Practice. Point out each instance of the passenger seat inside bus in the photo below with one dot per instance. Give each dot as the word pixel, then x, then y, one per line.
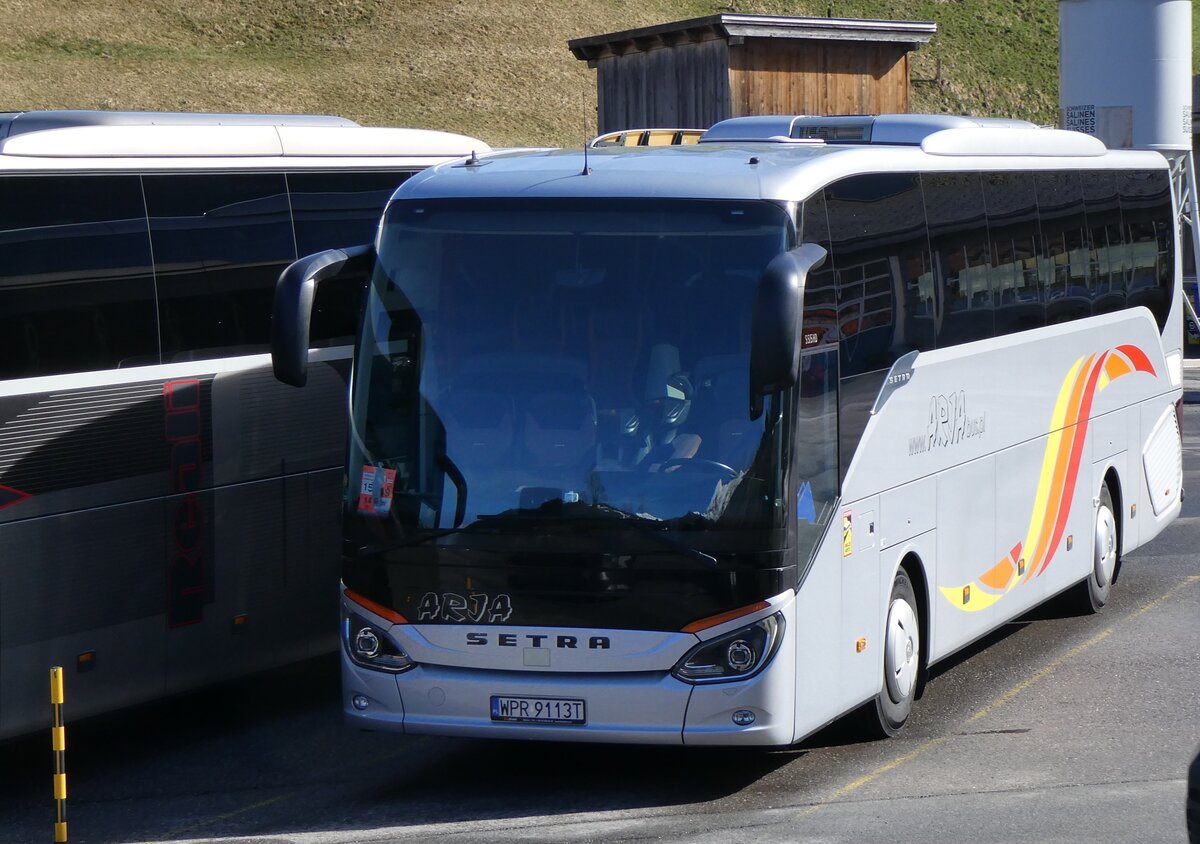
pixel 538 400
pixel 560 427
pixel 479 425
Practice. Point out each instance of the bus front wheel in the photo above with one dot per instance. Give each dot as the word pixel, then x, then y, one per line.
pixel 888 712
pixel 1092 594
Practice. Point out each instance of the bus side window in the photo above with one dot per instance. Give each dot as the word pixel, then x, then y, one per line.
pixel 1102 207
pixel 1065 256
pixel 884 293
pixel 820 295
pixel 1146 213
pixel 958 237
pixel 1012 213
pixel 76 291
pixel 815 455
pixel 220 243
pixel 332 211
pixel 881 246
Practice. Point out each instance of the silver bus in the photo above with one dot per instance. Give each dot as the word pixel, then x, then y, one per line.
pixel 169 512
pixel 715 444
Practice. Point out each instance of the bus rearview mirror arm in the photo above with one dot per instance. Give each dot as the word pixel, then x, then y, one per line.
pixel 291 312
pixel 775 330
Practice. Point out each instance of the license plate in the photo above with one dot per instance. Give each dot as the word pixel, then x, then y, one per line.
pixel 538 710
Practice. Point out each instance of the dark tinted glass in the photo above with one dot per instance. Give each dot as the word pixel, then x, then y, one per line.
pixel 1012 214
pixel 220 242
pixel 1108 259
pixel 330 211
pixel 962 255
pixel 884 287
pixel 76 292
pixel 1064 265
pixel 820 296
pixel 815 458
pixel 1146 212
pixel 526 322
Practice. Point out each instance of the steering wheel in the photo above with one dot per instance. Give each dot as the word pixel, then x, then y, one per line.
pixel 698 464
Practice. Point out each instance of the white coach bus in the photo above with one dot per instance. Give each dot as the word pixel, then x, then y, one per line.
pixel 714 444
pixel 168 511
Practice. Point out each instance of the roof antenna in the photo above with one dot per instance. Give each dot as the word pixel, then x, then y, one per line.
pixel 473 161
pixel 587 171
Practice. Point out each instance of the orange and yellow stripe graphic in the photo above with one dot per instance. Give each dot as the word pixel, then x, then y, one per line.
pixel 1056 486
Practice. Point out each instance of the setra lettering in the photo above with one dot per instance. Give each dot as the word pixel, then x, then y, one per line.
pixel 537 640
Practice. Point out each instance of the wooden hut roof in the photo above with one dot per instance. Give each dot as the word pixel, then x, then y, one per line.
pixel 731 26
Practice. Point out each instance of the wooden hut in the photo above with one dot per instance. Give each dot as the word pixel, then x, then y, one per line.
pixel 693 73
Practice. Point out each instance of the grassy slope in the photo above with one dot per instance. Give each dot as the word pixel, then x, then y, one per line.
pixel 499 70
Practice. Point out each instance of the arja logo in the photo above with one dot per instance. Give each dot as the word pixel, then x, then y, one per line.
pixel 947 419
pixel 476 607
pixel 948 424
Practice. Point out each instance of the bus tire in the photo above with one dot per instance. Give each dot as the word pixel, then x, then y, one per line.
pixel 888 712
pixel 1092 593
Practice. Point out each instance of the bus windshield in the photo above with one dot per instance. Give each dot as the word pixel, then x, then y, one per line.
pixel 560 360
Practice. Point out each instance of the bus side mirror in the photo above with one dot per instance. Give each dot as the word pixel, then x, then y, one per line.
pixel 775 330
pixel 292 310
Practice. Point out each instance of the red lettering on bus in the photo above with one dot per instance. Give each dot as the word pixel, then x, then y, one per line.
pixel 183 426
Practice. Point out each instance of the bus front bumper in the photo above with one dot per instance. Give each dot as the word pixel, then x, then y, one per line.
pixel 620 708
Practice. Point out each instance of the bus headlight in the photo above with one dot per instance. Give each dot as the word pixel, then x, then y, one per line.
pixel 371 648
pixel 734 656
pixel 366 644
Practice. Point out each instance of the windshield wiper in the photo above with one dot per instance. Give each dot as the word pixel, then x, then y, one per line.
pixel 560 514
pixel 384 547
pixel 580 512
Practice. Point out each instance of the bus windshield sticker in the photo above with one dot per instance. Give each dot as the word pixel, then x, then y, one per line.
pixel 375 491
pixel 899 375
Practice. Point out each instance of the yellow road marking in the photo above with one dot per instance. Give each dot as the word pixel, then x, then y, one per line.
pixel 933 743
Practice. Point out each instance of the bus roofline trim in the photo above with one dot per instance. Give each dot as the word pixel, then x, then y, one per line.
pixel 215 141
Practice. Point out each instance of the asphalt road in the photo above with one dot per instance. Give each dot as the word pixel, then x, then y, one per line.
pixel 1057 728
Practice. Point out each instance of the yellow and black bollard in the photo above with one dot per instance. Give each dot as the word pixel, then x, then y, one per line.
pixel 58 739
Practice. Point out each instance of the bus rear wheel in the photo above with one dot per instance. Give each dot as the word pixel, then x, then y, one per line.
pixel 1092 594
pixel 888 712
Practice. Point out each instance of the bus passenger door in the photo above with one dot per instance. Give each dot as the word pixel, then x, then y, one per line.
pixel 836 594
